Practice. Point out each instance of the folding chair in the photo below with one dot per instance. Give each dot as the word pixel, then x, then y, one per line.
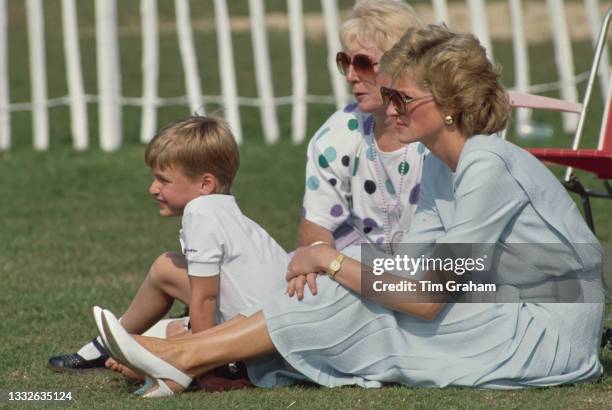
pixel 596 161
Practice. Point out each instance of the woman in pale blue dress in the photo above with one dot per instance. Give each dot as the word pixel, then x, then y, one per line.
pixel 477 189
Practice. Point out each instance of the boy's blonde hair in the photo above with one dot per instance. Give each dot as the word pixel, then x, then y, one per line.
pixel 197 145
pixel 378 22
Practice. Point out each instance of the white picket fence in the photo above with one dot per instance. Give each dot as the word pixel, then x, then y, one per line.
pixel 110 99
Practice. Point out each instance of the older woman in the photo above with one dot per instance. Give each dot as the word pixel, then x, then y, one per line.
pixel 477 189
pixel 360 180
pixel 358 173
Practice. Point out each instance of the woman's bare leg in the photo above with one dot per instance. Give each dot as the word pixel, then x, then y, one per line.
pixel 175 329
pixel 166 281
pixel 239 339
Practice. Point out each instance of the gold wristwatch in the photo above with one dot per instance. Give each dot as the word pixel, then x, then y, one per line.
pixel 335 265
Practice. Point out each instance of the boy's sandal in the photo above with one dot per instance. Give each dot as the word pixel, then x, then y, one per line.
pixel 76 363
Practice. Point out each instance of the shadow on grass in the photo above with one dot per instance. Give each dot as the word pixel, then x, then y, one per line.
pixel 606 360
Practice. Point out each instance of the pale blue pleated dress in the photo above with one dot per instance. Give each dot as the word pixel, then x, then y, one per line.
pixel 499 193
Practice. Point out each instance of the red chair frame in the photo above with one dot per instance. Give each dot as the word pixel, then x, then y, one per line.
pixel 596 161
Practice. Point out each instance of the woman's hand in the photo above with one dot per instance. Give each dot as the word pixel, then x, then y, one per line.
pixel 310 259
pixel 306 264
pixel 296 285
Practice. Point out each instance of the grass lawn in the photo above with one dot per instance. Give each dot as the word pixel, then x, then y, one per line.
pixel 78 229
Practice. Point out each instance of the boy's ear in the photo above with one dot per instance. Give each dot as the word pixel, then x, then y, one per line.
pixel 208 184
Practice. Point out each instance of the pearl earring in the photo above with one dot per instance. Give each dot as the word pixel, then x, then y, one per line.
pixel 448 120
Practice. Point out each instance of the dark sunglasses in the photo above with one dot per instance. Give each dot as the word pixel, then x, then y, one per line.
pixel 362 64
pixel 399 101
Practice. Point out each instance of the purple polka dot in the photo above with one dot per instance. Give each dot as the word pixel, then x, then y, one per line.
pixel 380 240
pixel 368 125
pixel 370 223
pixel 414 194
pixel 336 211
pixel 351 107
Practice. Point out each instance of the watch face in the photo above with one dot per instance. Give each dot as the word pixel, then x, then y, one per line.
pixel 334 266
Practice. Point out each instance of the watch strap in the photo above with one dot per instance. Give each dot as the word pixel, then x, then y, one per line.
pixel 334 269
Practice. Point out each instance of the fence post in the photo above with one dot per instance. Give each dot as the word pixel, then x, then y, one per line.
pixel 188 56
pixel 478 22
pixel 74 77
pixel 150 69
pixel 299 74
pixel 330 13
pixel 109 75
pixel 440 11
pixel 521 59
pixel 262 71
pixel 38 73
pixel 564 59
pixel 226 67
pixel 5 112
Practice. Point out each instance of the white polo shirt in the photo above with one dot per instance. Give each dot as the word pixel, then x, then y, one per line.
pixel 217 239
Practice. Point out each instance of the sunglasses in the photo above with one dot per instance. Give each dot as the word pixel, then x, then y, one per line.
pixel 399 101
pixel 362 64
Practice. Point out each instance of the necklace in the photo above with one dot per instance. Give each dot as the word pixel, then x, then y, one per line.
pixel 396 205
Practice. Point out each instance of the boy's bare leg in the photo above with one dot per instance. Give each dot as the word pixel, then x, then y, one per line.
pixel 166 281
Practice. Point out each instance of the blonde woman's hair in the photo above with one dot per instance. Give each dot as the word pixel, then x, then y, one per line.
pixel 197 145
pixel 455 69
pixel 378 22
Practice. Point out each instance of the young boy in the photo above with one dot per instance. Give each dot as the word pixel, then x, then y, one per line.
pixel 229 262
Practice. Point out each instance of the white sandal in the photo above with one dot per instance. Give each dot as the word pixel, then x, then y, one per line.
pixel 142 390
pixel 128 351
pixel 97 313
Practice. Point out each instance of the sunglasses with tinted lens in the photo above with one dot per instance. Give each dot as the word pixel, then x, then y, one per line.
pixel 362 64
pixel 399 101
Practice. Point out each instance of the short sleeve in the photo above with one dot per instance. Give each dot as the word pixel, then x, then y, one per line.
pixel 487 197
pixel 327 193
pixel 202 245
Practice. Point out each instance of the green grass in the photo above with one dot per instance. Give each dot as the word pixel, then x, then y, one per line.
pixel 78 229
